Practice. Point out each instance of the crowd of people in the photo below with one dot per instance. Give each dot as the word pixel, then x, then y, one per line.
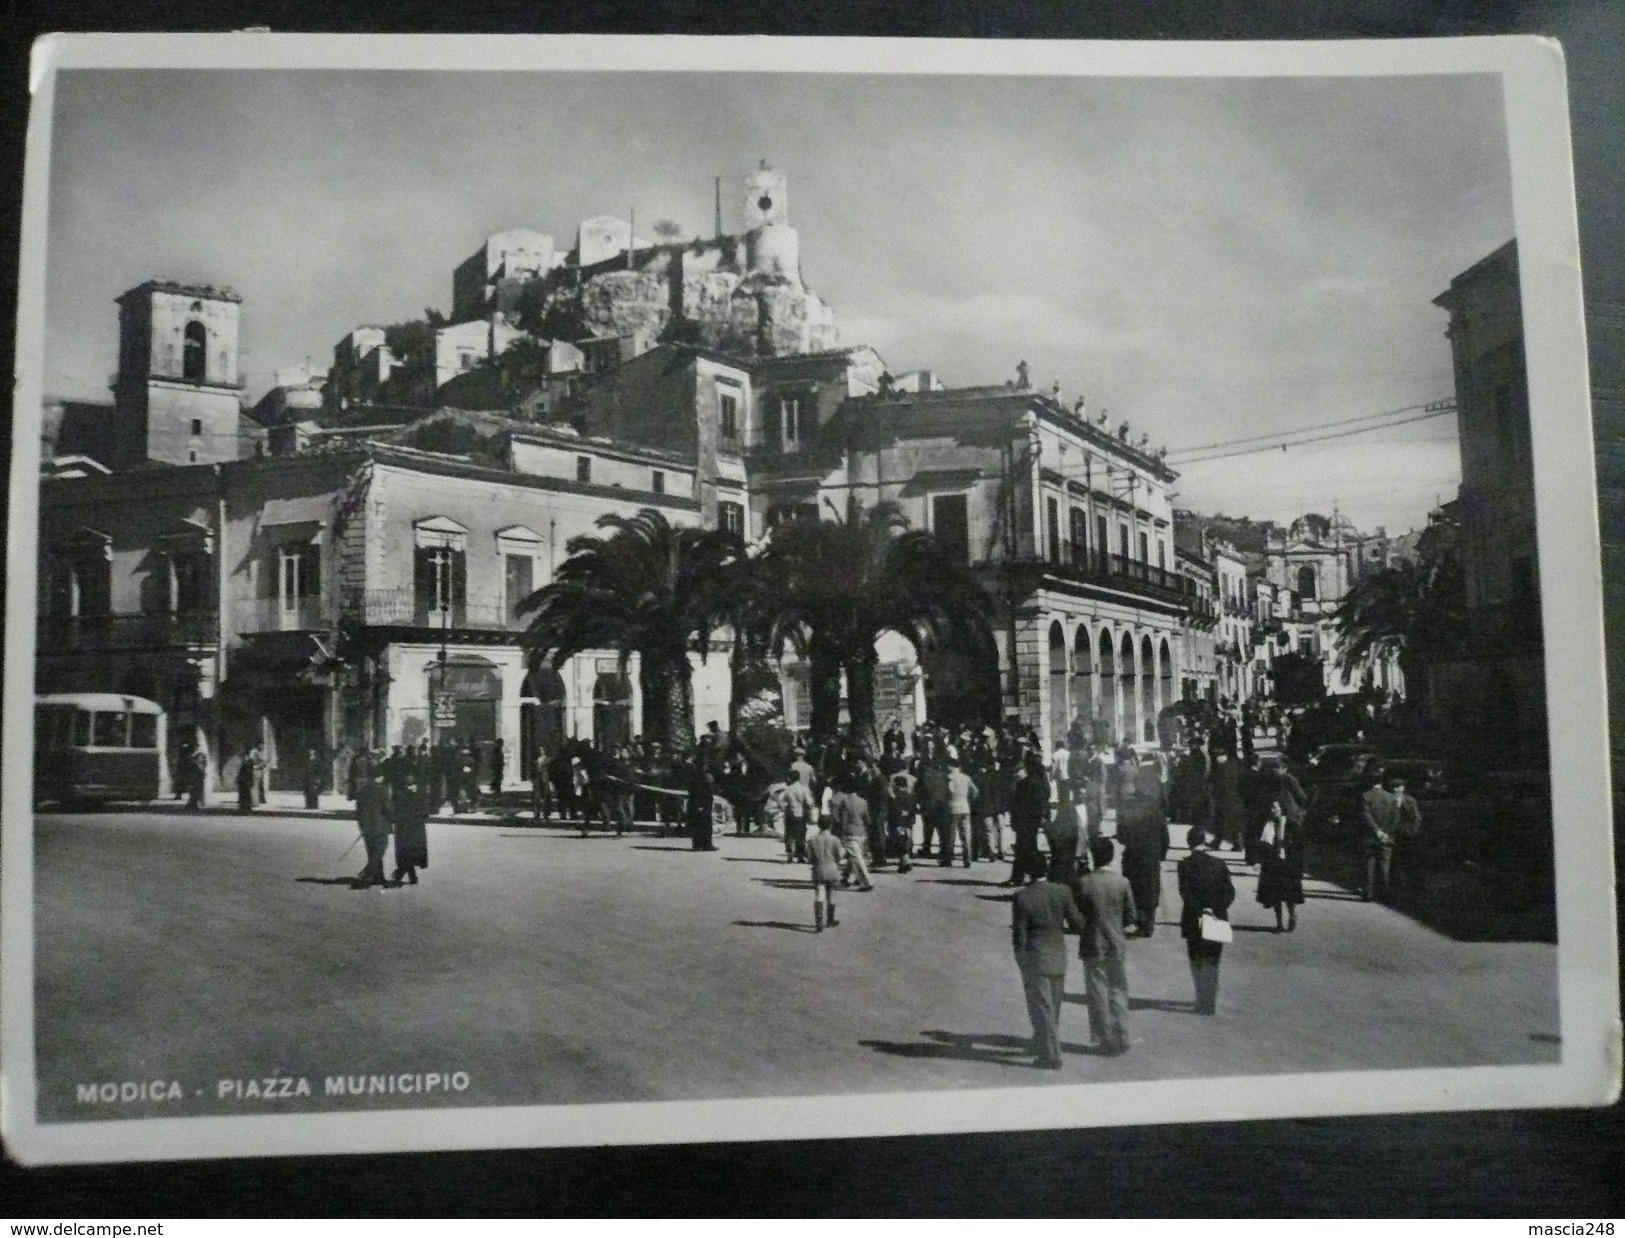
pixel 1084 826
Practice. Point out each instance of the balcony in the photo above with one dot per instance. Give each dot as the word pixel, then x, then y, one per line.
pixel 1075 561
pixel 160 630
pixel 280 615
pixel 405 608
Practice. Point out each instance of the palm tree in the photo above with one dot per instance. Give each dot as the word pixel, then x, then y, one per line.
pixel 648 588
pixel 1413 612
pixel 835 587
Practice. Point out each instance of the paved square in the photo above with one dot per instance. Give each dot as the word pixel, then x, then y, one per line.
pixel 555 969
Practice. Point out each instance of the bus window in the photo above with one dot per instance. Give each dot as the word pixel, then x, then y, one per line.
pixel 110 730
pixel 143 730
pixel 81 729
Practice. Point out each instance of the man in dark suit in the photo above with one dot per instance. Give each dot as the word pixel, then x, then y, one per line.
pixel 1040 914
pixel 1204 885
pixel 1107 902
pixel 1379 824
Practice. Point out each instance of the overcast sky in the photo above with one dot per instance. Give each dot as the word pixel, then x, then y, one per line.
pixel 1208 259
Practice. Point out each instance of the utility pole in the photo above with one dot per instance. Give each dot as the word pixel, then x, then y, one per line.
pixel 719 208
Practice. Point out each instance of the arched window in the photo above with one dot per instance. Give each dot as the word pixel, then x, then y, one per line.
pixel 194 360
pixel 1306 583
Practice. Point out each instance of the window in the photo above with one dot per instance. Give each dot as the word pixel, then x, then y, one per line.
pixel 1103 543
pixel 584 468
pixel 729 406
pixel 1122 540
pixel 1079 520
pixel 194 360
pixel 191 456
pixel 790 513
pixel 197 426
pixel 1145 549
pixel 731 517
pixel 439 585
pixel 109 730
pixel 657 482
pixel 519 575
pixel 1306 583
pixel 1162 554
pixel 143 730
pixel 950 523
pixel 1052 527
pixel 465 360
pixel 790 422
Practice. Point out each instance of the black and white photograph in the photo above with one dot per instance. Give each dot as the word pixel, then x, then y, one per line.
pixel 620 591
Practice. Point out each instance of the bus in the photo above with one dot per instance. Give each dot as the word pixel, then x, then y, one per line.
pixel 97 746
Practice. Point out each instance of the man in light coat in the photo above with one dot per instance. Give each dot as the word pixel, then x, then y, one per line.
pixel 1040 914
pixel 1107 902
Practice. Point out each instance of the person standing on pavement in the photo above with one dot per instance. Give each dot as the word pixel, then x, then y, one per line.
pixel 1107 902
pixel 1204 886
pixel 961 791
pixel 827 855
pixel 800 811
pixel 1142 828
pixel 1406 868
pixel 197 773
pixel 1040 914
pixel 1280 872
pixel 934 818
pixel 1379 818
pixel 900 821
pixel 701 808
pixel 849 815
pixel 541 787
pixel 410 811
pixel 498 760
pixel 314 777
pixel 1029 814
pixel 372 819
pixel 1229 811
pixel 246 780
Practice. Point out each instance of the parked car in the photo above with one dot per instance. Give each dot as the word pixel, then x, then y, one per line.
pixel 1333 814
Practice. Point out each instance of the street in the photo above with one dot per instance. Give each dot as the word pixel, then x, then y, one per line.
pixel 548 968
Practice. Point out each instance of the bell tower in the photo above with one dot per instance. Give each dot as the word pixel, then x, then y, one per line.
pixel 767 198
pixel 177 394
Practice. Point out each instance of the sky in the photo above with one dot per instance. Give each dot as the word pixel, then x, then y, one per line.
pixel 1208 259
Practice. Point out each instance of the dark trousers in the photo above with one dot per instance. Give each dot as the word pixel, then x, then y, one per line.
pixel 700 831
pixel 934 828
pixel 1379 863
pixel 376 845
pixel 795 836
pixel 1028 859
pixel 245 797
pixel 1044 996
pixel 1204 959
pixel 311 797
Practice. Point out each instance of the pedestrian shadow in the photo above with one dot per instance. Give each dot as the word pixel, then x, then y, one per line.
pixel 1251 928
pixel 778 924
pixel 648 847
pixel 1335 896
pixel 957 881
pixel 349 883
pixel 996 898
pixel 752 859
pixel 997 1048
pixel 1160 1003
pixel 784 883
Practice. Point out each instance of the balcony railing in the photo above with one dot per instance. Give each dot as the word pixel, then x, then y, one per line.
pixel 160 630
pixel 280 615
pixel 1078 560
pixel 406 608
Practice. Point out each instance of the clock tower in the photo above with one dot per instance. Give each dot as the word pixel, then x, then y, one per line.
pixel 177 393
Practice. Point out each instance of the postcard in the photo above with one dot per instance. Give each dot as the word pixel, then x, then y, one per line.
pixel 649 590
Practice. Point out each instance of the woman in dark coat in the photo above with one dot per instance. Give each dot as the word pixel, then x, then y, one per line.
pixel 1142 828
pixel 410 810
pixel 1229 809
pixel 702 792
pixel 1280 874
pixel 1029 814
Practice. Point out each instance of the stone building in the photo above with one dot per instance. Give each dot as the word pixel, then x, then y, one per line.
pixel 1068 524
pixel 1496 693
